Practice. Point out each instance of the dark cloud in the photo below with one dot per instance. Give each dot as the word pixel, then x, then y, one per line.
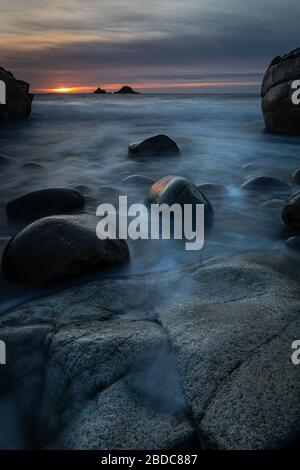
pixel 164 39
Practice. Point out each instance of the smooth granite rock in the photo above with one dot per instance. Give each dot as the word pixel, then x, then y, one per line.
pixel 266 183
pixel 124 363
pixel 296 177
pixel 45 202
pixel 291 212
pixel 158 145
pixel 178 190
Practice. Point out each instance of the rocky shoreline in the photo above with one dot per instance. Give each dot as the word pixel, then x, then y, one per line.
pixel 195 357
pixel 120 364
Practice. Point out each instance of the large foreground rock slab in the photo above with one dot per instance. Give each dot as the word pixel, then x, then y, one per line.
pixel 18 98
pixel 199 357
pixel 280 114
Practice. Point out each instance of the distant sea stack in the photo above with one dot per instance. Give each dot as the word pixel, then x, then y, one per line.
pixel 281 115
pixel 127 90
pixel 100 91
pixel 18 98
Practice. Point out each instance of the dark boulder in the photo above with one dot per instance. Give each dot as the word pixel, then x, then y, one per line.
pixel 82 188
pixel 291 212
pixel 6 161
pixel 33 167
pixel 273 204
pixel 126 90
pixel 45 202
pixel 100 91
pixel 58 248
pixel 158 145
pixel 18 98
pixel 176 189
pixel 296 177
pixel 212 189
pixel 138 180
pixel 265 183
pixel 280 114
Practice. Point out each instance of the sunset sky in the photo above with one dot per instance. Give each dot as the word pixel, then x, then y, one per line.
pixel 157 45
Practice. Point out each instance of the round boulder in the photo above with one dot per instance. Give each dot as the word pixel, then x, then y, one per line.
pixel 294 243
pixel 59 248
pixel 296 177
pixel 159 145
pixel 212 189
pixel 33 166
pixel 141 180
pixel 265 183
pixel 281 115
pixel 291 212
pixel 178 190
pixel 42 203
pixel 18 99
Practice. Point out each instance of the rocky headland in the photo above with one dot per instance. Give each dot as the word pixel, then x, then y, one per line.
pixel 18 98
pixel 124 90
pixel 281 115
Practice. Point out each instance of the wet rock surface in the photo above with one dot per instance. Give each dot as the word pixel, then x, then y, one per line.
pixel 266 183
pixel 6 161
pixel 140 180
pixel 273 204
pixel 178 190
pixel 296 177
pixel 45 202
pixel 210 368
pixel 158 145
pixel 294 243
pixel 60 247
pixel 281 115
pixel 291 212
pixel 212 189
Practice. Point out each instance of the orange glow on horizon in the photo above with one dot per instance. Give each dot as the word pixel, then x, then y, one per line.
pixel 61 90
pixel 111 87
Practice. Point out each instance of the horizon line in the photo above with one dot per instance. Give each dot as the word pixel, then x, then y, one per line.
pixel 112 87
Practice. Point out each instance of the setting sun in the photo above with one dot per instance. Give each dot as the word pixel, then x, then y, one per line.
pixel 62 90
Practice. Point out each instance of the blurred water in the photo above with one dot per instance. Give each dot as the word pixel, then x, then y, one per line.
pixel 83 139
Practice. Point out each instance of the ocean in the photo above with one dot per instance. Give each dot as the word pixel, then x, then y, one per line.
pixel 81 141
